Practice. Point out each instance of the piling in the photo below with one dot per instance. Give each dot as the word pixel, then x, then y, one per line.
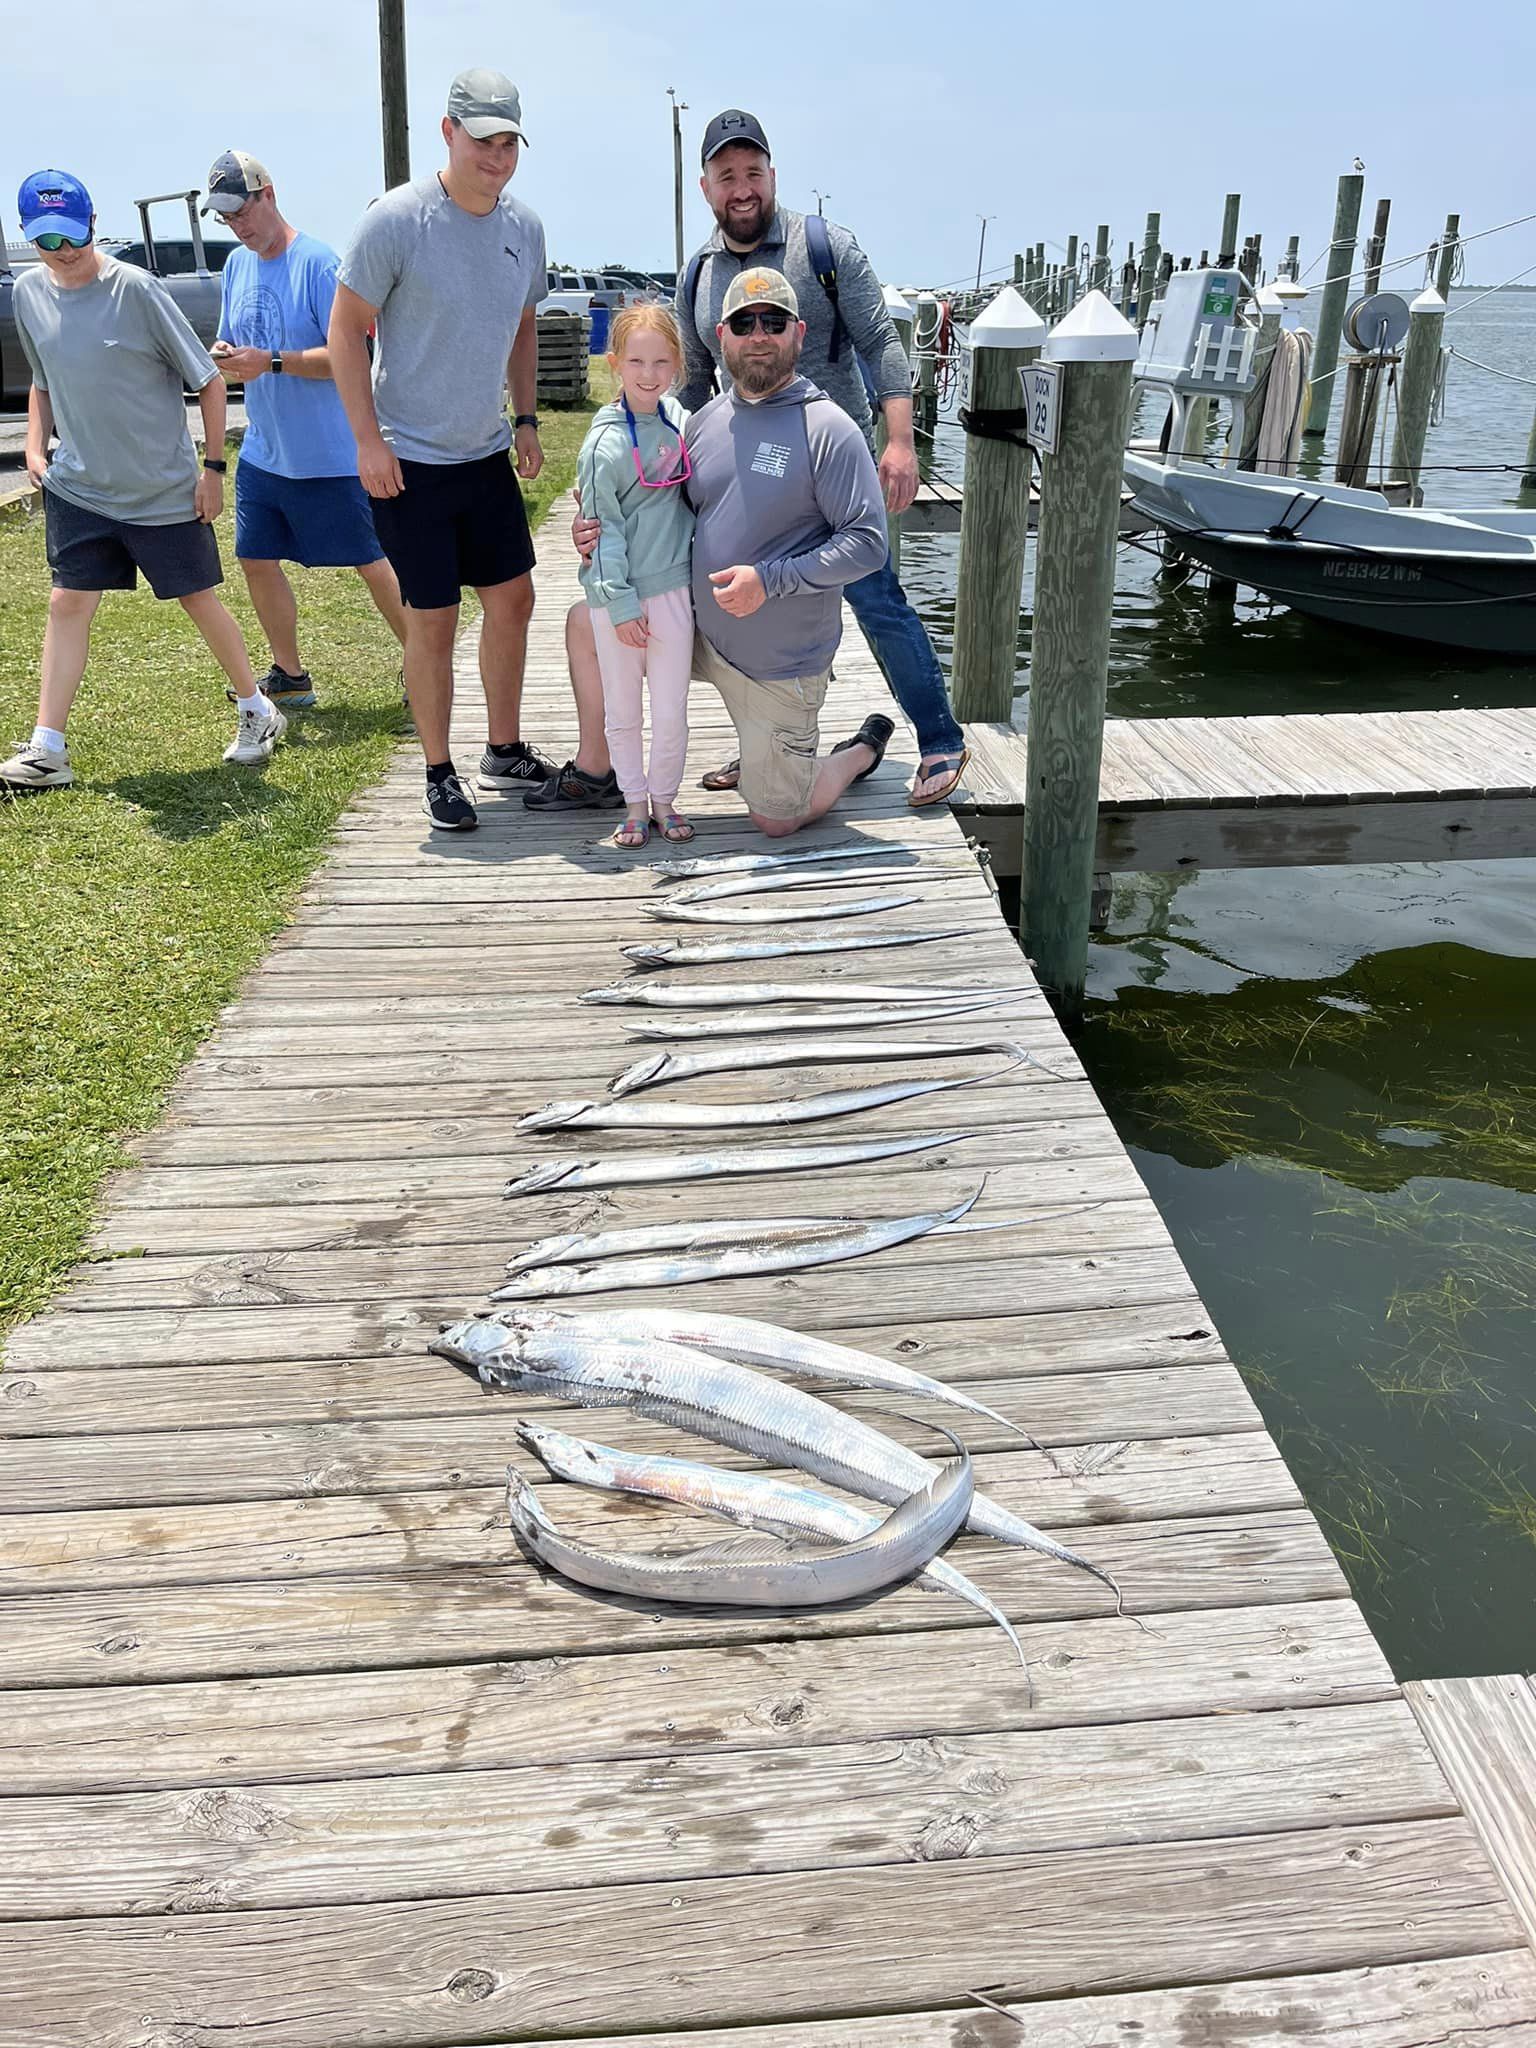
pixel 926 398
pixel 1330 316
pixel 1445 265
pixel 1074 599
pixel 1415 393
pixel 1226 255
pixel 1292 262
pixel 1146 274
pixel 902 318
pixel 397 138
pixel 994 518
pixel 1528 481
pixel 1069 273
pixel 1099 280
pixel 1271 307
pixel 1018 270
pixel 1376 248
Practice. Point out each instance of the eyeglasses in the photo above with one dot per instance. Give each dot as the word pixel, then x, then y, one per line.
pixel 679 476
pixel 771 319
pixel 53 243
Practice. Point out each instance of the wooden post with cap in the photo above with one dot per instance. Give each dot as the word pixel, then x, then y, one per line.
pixel 1330 312
pixel 1074 601
pixel 1416 391
pixel 994 516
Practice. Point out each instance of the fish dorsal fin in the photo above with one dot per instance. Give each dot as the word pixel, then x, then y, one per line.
pixel 756 1548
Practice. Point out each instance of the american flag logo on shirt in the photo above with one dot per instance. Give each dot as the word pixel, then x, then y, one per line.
pixel 771 459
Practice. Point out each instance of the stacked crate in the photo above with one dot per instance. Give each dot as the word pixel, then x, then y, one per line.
pixel 563 341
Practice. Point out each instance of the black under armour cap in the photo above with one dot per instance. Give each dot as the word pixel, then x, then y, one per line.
pixel 733 126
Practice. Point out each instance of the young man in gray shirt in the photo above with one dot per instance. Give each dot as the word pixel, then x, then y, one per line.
pixel 110 353
pixel 451 268
pixel 789 514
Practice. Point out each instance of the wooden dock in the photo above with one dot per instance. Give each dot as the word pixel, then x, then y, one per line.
pixel 1308 790
pixel 300 1752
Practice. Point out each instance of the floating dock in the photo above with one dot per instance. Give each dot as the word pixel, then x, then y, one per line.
pixel 301 1752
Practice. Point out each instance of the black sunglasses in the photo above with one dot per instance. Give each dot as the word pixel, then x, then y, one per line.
pixel 772 320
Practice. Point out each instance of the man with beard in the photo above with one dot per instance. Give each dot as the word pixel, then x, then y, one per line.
pixel 789 509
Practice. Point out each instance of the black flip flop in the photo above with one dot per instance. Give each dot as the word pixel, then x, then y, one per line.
pixel 874 732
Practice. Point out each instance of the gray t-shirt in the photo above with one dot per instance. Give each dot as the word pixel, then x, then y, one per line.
pixel 450 287
pixel 115 357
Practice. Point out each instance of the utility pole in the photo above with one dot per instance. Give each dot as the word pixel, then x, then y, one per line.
pixel 981 245
pixel 821 199
pixel 397 139
pixel 679 107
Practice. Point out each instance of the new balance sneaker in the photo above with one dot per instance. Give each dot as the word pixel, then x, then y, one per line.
pixel 513 767
pixel 256 735
pixel 448 806
pixel 34 768
pixel 572 789
pixel 288 693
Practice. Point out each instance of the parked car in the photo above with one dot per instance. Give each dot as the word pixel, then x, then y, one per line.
pixel 578 291
pixel 189 267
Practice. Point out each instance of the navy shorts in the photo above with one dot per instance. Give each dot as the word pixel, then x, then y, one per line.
pixel 89 551
pixel 455 523
pixel 321 522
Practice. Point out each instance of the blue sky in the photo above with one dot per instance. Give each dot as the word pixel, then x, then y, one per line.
pixel 914 118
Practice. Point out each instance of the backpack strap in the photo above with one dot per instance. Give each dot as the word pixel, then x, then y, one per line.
pixel 818 246
pixel 691 301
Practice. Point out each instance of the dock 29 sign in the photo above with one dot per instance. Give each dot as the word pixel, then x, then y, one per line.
pixel 1042 404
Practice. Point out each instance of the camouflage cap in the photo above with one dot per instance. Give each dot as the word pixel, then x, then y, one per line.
pixel 760 287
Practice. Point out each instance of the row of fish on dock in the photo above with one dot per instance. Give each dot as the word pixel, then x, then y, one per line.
pixel 709 1374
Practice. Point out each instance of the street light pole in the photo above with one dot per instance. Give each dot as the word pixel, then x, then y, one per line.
pixel 821 198
pixel 679 107
pixel 981 245
pixel 397 145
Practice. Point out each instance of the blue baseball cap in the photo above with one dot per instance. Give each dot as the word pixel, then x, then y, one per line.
pixel 54 203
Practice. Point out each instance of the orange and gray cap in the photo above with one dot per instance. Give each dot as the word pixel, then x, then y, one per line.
pixel 486 103
pixel 233 178
pixel 760 287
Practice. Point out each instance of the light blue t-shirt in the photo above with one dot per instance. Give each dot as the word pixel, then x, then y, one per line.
pixel 295 426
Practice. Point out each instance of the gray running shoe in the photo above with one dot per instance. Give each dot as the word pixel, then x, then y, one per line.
pixel 514 767
pixel 572 789
pixel 258 733
pixel 33 768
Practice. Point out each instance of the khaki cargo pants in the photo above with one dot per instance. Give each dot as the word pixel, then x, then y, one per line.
pixel 776 731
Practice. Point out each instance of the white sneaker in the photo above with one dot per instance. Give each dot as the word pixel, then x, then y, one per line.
pixel 256 737
pixel 37 768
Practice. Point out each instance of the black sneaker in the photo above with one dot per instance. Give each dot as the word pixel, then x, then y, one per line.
pixel 572 789
pixel 448 807
pixel 515 767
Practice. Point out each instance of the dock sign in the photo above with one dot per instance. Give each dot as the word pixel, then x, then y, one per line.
pixel 1042 404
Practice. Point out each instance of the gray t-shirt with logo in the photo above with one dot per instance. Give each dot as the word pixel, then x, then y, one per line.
pixel 115 357
pixel 451 287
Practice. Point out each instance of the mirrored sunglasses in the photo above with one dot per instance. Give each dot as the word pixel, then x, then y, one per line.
pixel 772 320
pixel 53 243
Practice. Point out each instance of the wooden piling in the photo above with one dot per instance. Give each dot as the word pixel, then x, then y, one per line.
pixel 1226 255
pixel 1292 262
pixel 392 93
pixel 1099 280
pixel 1445 263
pixel 1528 481
pixel 1330 316
pixel 1376 248
pixel 1146 272
pixel 1416 390
pixel 994 518
pixel 1074 600
pixel 1018 270
pixel 926 397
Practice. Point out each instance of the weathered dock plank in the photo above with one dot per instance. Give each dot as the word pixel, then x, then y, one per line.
pixel 1483 1730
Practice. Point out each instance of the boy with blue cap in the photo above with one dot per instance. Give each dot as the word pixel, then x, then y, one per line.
pixel 110 354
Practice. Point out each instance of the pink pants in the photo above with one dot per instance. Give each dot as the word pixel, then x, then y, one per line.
pixel 664 664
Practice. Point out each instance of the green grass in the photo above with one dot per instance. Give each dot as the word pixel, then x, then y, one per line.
pixel 134 903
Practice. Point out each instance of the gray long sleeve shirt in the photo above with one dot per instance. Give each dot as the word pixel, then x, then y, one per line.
pixel 869 327
pixel 786 485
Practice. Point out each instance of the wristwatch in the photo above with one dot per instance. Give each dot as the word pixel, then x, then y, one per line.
pixel 218 467
pixel 277 363
pixel 527 419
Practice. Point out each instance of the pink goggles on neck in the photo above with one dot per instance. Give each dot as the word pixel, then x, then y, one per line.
pixel 666 483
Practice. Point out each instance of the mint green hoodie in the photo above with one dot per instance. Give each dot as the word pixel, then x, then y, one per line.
pixel 647 535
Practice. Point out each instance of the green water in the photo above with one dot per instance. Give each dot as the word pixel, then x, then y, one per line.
pixel 1327 1079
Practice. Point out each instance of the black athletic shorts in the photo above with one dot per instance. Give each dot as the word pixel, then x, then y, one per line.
pixel 89 551
pixel 455 523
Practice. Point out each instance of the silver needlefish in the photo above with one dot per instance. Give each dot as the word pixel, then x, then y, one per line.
pixel 749 1254
pixel 726 1403
pixel 807 878
pixel 673 912
pixel 753 1500
pixel 743 1023
pixel 658 1069
pixel 663 995
pixel 752 863
pixel 747 1342
pixel 757 1570
pixel 721 1116
pixel 710 952
pixel 635 1169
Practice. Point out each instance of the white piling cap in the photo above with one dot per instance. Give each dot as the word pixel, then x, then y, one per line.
pixel 1287 290
pixel 898 306
pixel 1270 299
pixel 1093 332
pixel 1009 322
pixel 1428 301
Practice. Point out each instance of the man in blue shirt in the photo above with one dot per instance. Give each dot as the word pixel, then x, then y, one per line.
pixel 297 494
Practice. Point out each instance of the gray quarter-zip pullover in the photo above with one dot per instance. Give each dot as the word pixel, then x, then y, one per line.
pixel 788 486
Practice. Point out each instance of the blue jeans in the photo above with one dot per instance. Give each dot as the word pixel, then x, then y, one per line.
pixel 901 645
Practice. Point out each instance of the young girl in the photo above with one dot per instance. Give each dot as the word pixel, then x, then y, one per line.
pixel 630 474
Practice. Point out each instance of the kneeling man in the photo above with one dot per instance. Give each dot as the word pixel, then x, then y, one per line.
pixel 789 511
